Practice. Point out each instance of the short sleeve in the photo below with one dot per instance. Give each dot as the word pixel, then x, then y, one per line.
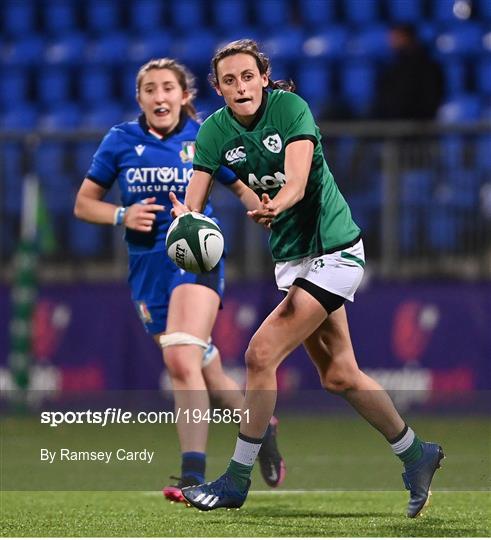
pixel 103 170
pixel 296 119
pixel 207 154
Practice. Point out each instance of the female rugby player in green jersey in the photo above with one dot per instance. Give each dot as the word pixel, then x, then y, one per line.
pixel 177 308
pixel 268 137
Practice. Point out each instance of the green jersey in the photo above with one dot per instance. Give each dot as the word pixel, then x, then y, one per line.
pixel 317 224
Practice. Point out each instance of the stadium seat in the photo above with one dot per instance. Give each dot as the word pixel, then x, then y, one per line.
pixel 463 186
pixel 85 239
pixel 18 18
pixel 484 10
pixel 24 51
pixel 483 76
pixel 95 84
pixel 82 157
pixel 12 169
pixel 146 16
pixel 272 13
pixel 103 16
pixel 328 44
pixel 371 42
pixel 462 40
pixel 454 71
pixel 483 154
pixel 19 116
pixel 283 45
pixel 465 107
pixel 156 44
pixel 102 116
pixel 60 116
pixel 229 13
pixel 416 187
pixel 187 15
pixel 318 13
pixel 59 17
pixel 358 85
pixel 53 84
pixel 111 48
pixel 67 49
pixel 194 49
pixel 14 86
pixel 404 11
pixel 313 80
pixel 442 11
pixel 360 12
pixel 443 227
pixel 452 151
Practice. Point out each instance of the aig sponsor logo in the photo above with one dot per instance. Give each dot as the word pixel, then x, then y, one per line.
pixel 235 155
pixel 162 175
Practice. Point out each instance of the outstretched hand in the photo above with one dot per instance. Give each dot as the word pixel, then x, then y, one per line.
pixel 141 216
pixel 266 212
pixel 178 208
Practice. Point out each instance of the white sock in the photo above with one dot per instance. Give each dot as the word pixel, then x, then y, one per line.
pixel 246 452
pixel 404 443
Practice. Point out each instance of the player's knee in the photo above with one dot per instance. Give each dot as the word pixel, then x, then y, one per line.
pixel 179 363
pixel 259 356
pixel 339 380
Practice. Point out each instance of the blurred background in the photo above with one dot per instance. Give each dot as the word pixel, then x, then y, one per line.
pixel 401 90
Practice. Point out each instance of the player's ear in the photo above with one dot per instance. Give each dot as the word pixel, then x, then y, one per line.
pixel 217 90
pixel 185 97
pixel 264 80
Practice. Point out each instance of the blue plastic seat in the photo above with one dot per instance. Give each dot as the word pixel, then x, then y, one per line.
pixel 60 116
pixel 318 13
pixel 14 86
pixel 83 154
pixel 443 227
pixel 313 79
pixel 19 116
pixel 59 17
pixel 416 187
pixel 371 42
pixel 53 84
pixel 146 15
pixel 18 18
pixel 103 16
pixel 103 116
pixel 329 43
pixel 483 76
pixel 127 82
pixel 142 47
pixel 361 12
pixel 68 49
pixel 466 107
pixel 195 49
pixel 284 45
pixel 95 84
pixel 85 239
pixel 108 49
pixel 454 71
pixel 358 85
pixel 272 13
pixel 461 40
pixel 187 15
pixel 452 151
pixel 24 51
pixel 404 11
pixel 12 170
pixel 228 13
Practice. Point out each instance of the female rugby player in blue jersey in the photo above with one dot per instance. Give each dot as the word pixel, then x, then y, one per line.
pixel 319 259
pixel 150 158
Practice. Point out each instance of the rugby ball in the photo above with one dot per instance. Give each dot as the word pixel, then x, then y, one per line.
pixel 194 242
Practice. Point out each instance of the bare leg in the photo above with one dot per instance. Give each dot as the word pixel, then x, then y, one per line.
pixel 221 387
pixel 331 350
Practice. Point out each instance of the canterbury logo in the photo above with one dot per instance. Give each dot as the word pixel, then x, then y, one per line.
pixel 236 154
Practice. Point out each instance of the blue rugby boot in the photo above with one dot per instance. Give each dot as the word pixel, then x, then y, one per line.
pixel 222 493
pixel 418 476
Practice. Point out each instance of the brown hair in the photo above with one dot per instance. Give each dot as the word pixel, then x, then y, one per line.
pixel 184 77
pixel 247 46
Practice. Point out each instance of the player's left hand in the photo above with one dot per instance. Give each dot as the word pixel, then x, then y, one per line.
pixel 267 211
pixel 177 207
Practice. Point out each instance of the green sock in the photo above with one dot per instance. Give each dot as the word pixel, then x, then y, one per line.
pixel 240 473
pixel 413 453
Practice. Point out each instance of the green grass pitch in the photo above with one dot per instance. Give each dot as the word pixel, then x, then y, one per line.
pixel 342 481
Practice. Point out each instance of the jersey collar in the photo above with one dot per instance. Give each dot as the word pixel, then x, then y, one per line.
pixel 142 121
pixel 257 117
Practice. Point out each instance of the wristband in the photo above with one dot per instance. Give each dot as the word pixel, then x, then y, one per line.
pixel 119 214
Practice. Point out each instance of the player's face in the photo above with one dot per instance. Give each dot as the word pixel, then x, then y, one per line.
pixel 161 98
pixel 241 85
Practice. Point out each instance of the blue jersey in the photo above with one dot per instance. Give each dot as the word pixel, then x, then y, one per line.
pixel 146 165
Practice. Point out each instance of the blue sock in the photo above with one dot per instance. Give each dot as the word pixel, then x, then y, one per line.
pixel 193 465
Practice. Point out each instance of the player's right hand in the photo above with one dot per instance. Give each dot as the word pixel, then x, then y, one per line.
pixel 177 207
pixel 141 216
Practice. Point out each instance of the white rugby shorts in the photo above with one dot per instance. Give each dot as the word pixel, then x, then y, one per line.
pixel 339 272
